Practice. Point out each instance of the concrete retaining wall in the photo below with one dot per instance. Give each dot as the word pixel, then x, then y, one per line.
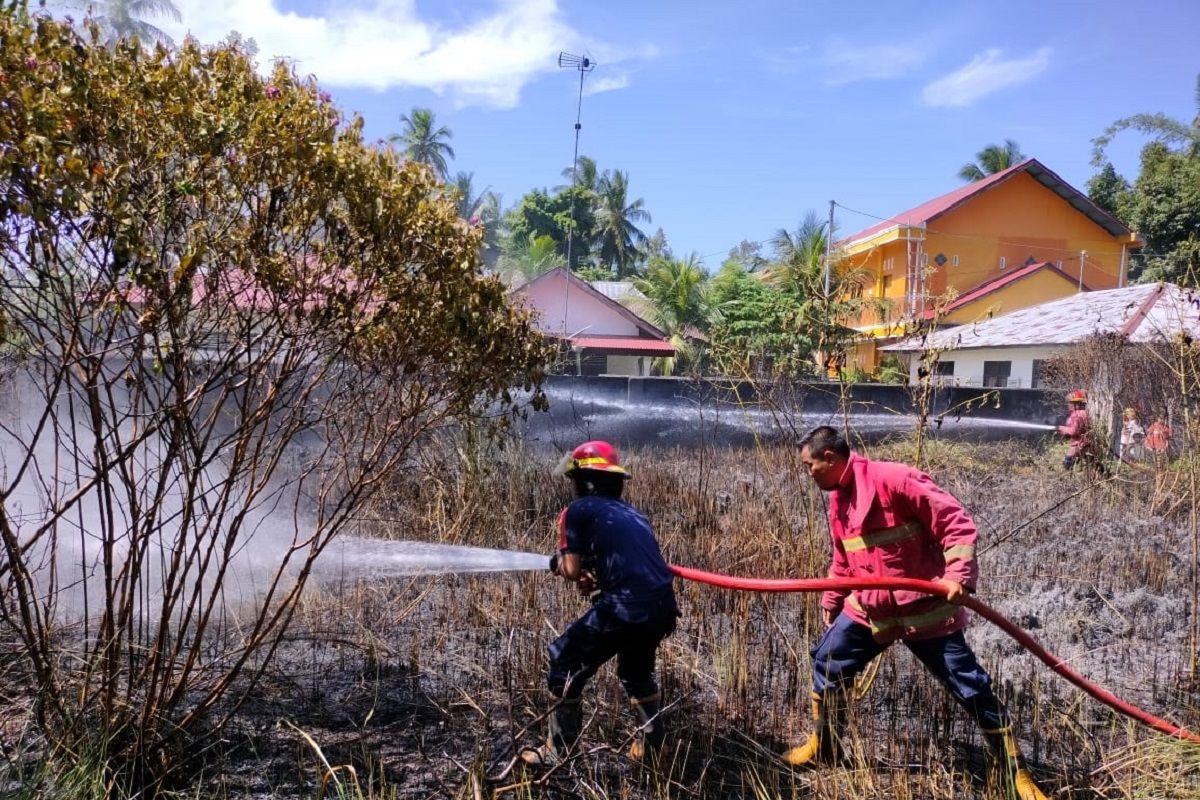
pixel 1018 405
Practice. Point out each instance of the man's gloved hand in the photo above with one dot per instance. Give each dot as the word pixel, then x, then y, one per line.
pixel 554 563
pixel 587 584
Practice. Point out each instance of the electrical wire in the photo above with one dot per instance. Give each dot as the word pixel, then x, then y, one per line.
pixel 993 616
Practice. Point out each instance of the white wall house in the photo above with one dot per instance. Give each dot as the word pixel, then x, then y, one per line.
pixel 1009 350
pixel 603 336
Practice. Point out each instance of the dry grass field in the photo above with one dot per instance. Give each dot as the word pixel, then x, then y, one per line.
pixel 425 686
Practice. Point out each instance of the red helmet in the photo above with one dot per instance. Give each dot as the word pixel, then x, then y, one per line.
pixel 1077 396
pixel 597 455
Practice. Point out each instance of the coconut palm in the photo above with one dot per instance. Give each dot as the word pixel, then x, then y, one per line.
pixel 523 261
pixel 469 204
pixel 677 301
pixel 585 175
pixel 423 141
pixel 616 218
pixel 992 159
pixel 799 256
pixel 123 19
pixel 1165 129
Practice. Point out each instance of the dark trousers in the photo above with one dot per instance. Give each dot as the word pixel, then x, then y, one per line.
pixel 847 647
pixel 596 637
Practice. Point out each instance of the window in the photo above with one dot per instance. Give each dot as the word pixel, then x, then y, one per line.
pixel 888 263
pixel 856 291
pixel 954 261
pixel 1003 262
pixel 1039 375
pixel 1058 263
pixel 995 373
pixel 945 368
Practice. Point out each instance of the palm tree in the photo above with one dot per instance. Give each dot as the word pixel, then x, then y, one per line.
pixel 586 175
pixel 616 216
pixel 677 301
pixel 1163 128
pixel 423 141
pixel 992 159
pixel 799 256
pixel 520 262
pixel 469 204
pixel 123 19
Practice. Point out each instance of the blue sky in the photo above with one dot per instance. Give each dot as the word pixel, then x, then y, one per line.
pixel 734 119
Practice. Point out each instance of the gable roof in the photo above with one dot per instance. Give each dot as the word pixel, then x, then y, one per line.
pixel 1155 312
pixel 574 281
pixel 1000 282
pixel 932 209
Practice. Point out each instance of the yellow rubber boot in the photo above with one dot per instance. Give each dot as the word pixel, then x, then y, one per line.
pixel 1016 777
pixel 822 745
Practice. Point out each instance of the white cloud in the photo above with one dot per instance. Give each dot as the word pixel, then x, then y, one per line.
pixel 382 44
pixel 986 73
pixel 608 83
pixel 849 62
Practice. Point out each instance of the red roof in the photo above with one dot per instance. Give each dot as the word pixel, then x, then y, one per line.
pixel 629 345
pixel 995 284
pixel 922 214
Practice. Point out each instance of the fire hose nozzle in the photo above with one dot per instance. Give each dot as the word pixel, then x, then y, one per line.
pixel 554 563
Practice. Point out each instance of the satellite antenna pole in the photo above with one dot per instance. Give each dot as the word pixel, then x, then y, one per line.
pixel 583 65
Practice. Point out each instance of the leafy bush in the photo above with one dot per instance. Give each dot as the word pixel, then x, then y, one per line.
pixel 227 321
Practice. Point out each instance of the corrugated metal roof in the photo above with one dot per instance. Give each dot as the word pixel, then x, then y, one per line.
pixel 1145 313
pixel 631 344
pixel 617 290
pixel 922 214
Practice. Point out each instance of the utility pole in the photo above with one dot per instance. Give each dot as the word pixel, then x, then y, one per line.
pixel 829 250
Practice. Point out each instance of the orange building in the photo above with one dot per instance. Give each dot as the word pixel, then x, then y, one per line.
pixel 1017 238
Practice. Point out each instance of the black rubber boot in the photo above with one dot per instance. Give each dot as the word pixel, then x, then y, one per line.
pixel 565 725
pixel 651 732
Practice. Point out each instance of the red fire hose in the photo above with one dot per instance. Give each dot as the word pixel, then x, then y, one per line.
pixel 928 587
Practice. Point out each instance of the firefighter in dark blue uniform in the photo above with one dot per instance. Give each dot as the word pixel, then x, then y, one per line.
pixel 608 548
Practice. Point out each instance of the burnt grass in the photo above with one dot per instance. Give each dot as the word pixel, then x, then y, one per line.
pixel 425 686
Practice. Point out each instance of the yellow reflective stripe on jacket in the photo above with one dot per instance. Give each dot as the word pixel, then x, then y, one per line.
pixel 929 619
pixel 959 552
pixel 880 537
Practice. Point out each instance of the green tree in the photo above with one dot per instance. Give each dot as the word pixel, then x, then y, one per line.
pixel 480 209
pixel 1163 204
pixel 992 159
pixel 1111 192
pixel 618 235
pixel 261 315
pixel 121 19
pixel 566 213
pixel 1162 128
pixel 424 141
pixel 756 330
pixel 1165 210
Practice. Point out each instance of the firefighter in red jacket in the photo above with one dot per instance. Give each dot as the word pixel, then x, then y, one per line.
pixel 890 520
pixel 1077 430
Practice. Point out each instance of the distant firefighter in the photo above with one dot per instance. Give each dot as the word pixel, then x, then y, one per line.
pixel 1158 440
pixel 1077 430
